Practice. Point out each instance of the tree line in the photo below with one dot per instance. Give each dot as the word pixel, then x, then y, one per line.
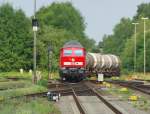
pixel 121 42
pixel 58 23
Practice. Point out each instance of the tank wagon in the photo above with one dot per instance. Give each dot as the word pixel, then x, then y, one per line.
pixel 107 64
pixel 76 64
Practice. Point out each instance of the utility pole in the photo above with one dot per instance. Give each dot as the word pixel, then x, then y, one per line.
pixel 49 65
pixel 135 25
pixel 35 28
pixel 144 19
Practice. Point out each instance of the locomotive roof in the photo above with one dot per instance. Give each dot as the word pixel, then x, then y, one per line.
pixel 72 44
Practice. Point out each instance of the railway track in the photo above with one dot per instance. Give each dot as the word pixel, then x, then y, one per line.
pixel 80 107
pixel 135 85
pixel 142 80
pixel 94 90
pixel 82 89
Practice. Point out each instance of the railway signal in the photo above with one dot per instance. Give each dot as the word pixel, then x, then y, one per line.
pixel 35 24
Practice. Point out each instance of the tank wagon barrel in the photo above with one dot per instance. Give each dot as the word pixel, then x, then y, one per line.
pixel 101 62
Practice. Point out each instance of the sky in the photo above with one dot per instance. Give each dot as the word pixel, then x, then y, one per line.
pixel 100 15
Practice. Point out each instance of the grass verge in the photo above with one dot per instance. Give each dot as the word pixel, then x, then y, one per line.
pixel 135 76
pixel 13 84
pixel 27 75
pixel 21 91
pixel 28 106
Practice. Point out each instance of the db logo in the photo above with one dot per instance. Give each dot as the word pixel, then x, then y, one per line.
pixel 73 59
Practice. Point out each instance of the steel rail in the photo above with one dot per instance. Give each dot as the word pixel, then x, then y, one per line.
pixel 114 109
pixel 82 111
pixel 132 86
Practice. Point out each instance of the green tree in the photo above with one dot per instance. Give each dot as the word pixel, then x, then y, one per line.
pixel 55 38
pixel 62 16
pixel 59 23
pixel 15 39
pixel 115 43
pixel 143 11
pixel 127 55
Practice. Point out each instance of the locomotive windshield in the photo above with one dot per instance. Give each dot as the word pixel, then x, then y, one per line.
pixel 67 52
pixel 70 52
pixel 78 52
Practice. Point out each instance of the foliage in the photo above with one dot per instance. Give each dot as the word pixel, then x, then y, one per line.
pixel 15 39
pixel 22 91
pixel 43 82
pixel 143 11
pixel 127 55
pixel 55 38
pixel 62 16
pixel 115 43
pixel 28 106
pixel 59 23
pixel 121 42
pixel 14 84
pixel 15 74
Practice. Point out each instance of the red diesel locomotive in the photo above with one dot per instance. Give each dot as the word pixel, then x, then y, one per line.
pixel 75 63
pixel 72 61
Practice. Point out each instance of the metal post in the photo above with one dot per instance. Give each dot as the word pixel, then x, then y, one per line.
pixel 48 62
pixel 34 58
pixel 144 46
pixel 34 8
pixel 51 63
pixel 135 24
pixel 144 49
pixel 34 51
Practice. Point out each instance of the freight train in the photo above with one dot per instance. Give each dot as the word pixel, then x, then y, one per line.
pixel 76 63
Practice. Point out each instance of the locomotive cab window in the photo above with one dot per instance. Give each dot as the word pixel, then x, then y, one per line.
pixel 78 52
pixel 67 52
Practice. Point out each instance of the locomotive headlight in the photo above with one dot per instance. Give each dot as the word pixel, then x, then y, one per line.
pixel 73 59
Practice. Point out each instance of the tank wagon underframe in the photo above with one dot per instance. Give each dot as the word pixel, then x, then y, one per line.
pixel 106 72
